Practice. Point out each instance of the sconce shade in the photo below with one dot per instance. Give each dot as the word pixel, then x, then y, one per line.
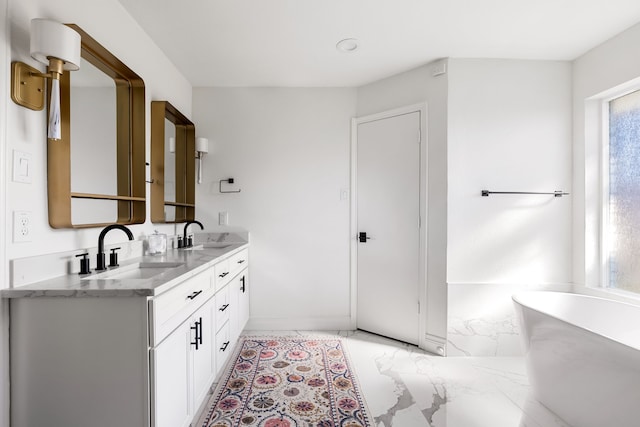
pixel 53 39
pixel 202 145
pixel 172 144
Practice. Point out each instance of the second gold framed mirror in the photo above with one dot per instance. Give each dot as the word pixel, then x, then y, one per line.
pixel 172 164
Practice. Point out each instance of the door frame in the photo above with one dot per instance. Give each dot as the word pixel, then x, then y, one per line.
pixel 353 220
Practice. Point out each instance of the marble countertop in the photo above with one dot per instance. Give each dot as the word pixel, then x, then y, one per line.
pixel 193 262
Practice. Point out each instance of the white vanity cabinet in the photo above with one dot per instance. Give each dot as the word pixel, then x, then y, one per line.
pixel 134 360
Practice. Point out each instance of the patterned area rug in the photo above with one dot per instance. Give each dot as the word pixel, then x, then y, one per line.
pixel 288 382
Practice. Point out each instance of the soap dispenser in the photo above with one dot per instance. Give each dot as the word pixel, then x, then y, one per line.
pixel 157 243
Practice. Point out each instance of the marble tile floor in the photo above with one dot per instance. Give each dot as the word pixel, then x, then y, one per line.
pixel 407 387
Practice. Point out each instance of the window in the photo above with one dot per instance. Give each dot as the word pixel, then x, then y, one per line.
pixel 622 227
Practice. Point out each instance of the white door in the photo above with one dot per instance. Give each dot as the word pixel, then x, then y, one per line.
pixel 388 212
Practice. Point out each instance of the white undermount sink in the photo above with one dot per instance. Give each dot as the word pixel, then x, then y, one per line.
pixel 209 245
pixel 140 270
pixel 217 245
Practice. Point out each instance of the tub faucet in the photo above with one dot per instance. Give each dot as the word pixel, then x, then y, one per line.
pixel 101 258
pixel 184 237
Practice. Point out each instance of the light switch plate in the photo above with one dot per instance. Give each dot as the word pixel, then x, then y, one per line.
pixel 21 226
pixel 223 218
pixel 22 165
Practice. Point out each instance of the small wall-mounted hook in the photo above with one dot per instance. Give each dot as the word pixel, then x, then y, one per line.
pixel 230 181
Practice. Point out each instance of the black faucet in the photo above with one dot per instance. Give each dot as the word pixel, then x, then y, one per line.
pixel 184 237
pixel 100 258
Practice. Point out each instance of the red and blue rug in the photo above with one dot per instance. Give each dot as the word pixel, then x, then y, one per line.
pixel 288 382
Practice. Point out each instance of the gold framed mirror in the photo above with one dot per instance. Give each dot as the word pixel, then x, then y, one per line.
pixel 96 171
pixel 173 186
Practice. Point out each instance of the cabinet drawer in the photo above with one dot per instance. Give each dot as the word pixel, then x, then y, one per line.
pixel 222 274
pixel 170 309
pixel 238 261
pixel 223 306
pixel 224 346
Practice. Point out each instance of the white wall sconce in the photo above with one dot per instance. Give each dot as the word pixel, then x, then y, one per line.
pixel 202 147
pixel 172 144
pixel 57 46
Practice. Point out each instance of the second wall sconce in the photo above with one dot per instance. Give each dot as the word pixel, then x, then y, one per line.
pixel 202 147
pixel 57 46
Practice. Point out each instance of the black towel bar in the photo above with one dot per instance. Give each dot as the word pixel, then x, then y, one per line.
pixel 558 193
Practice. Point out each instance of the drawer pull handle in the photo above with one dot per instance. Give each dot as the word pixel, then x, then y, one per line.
pixel 195 294
pixel 224 307
pixel 197 327
pixel 241 261
pixel 242 288
pixel 223 274
pixel 224 346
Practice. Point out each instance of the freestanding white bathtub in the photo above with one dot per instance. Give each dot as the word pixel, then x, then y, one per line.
pixel 583 357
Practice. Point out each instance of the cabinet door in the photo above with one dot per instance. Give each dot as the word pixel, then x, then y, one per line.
pixel 239 303
pixel 170 390
pixel 243 300
pixel 203 354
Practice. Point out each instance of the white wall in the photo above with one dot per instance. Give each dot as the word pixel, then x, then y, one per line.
pixel 509 130
pixel 4 270
pixel 109 23
pixel 610 67
pixel 412 87
pixel 288 150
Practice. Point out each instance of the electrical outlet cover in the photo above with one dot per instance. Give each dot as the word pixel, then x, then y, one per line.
pixel 22 226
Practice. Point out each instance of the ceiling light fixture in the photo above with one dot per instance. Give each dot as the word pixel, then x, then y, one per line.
pixel 347 45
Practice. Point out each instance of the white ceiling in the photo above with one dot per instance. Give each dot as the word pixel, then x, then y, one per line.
pixel 292 42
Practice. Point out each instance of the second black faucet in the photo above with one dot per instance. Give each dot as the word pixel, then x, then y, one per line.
pixel 189 242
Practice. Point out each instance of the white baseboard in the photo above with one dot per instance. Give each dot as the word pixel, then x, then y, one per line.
pixel 299 324
pixel 434 344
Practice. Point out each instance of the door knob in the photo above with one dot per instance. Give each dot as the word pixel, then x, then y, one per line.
pixel 362 237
